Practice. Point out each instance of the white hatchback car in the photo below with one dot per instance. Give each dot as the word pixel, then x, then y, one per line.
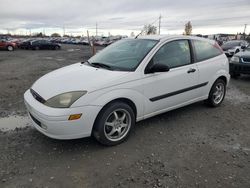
pixel 131 80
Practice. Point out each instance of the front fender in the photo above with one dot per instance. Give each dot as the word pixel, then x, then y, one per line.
pixel 101 98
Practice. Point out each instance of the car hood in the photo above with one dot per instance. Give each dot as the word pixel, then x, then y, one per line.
pixel 225 48
pixel 244 54
pixel 76 77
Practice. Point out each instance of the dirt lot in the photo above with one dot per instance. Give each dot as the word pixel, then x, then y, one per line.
pixel 194 146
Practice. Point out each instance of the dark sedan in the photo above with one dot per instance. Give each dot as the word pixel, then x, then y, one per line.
pixel 40 45
pixel 240 63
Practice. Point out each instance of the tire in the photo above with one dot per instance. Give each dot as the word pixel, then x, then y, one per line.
pixel 217 93
pixel 10 48
pixel 56 48
pixel 114 124
pixel 36 48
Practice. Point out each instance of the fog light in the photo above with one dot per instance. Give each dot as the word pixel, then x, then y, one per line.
pixel 74 117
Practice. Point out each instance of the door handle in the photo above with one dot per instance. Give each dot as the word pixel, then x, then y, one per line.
pixel 192 70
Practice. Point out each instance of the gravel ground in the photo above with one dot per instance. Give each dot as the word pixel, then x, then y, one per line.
pixel 194 146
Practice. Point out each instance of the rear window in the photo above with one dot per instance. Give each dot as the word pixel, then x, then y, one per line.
pixel 204 50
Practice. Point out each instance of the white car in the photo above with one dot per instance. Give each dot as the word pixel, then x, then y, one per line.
pixel 233 47
pixel 129 81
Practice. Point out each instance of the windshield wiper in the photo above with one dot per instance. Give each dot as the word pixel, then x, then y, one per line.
pixel 102 65
pixel 83 62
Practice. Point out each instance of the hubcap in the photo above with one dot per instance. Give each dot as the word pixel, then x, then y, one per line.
pixel 117 125
pixel 10 48
pixel 218 93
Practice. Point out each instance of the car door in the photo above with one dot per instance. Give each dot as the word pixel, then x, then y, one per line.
pixel 2 44
pixel 42 44
pixel 165 90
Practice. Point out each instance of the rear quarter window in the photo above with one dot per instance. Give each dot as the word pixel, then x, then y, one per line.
pixel 205 50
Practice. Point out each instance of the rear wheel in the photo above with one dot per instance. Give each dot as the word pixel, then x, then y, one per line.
pixel 10 48
pixel 114 123
pixel 56 48
pixel 217 93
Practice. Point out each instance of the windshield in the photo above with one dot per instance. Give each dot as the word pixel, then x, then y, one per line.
pixel 231 44
pixel 124 55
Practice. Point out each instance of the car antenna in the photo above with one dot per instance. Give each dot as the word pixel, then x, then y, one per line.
pixel 139 34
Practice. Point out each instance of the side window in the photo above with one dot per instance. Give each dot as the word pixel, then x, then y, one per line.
pixel 173 54
pixel 205 50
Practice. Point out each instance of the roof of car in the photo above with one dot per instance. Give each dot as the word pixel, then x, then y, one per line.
pixel 168 37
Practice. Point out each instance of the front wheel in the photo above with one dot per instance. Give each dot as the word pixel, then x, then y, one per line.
pixel 10 48
pixel 217 93
pixel 114 123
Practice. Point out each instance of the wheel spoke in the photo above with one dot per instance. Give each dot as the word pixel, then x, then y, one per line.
pixel 110 124
pixel 119 132
pixel 124 125
pixel 116 115
pixel 216 93
pixel 123 117
pixel 112 132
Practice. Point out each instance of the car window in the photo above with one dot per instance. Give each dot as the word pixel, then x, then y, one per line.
pixel 205 50
pixel 173 54
pixel 36 42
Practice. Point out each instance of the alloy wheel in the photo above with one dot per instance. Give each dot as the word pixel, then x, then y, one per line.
pixel 117 125
pixel 219 93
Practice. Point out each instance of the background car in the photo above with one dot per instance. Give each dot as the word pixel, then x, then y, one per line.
pixel 240 63
pixel 7 45
pixel 40 45
pixel 232 47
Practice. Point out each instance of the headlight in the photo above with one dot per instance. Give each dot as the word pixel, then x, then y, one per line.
pixel 64 100
pixel 235 59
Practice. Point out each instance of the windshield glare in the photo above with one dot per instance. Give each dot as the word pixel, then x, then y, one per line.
pixel 124 55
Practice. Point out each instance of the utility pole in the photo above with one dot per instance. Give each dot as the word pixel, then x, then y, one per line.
pixel 245 31
pixel 96 30
pixel 159 32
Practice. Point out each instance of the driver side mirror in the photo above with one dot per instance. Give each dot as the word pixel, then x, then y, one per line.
pixel 158 68
pixel 243 47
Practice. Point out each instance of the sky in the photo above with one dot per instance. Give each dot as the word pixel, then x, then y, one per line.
pixel 75 17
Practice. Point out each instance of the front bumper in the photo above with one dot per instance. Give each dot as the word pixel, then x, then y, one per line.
pixel 239 68
pixel 54 123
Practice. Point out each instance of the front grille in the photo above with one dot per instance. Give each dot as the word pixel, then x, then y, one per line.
pixel 37 96
pixel 35 120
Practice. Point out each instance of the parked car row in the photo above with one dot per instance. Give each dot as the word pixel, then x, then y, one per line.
pixel 54 43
